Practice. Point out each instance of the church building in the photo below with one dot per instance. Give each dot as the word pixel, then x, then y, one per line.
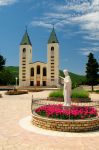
pixel 39 73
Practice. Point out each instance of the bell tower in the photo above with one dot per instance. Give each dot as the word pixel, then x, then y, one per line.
pixel 53 60
pixel 25 60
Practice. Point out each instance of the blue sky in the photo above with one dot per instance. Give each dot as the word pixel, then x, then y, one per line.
pixel 76 24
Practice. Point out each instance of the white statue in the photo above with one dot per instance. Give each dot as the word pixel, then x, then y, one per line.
pixel 67 89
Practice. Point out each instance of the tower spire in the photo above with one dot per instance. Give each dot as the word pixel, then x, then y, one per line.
pixel 53 37
pixel 26 38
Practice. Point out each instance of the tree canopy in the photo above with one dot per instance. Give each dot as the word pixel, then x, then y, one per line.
pixel 92 69
pixel 2 62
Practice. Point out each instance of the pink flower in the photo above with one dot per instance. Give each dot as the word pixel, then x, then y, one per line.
pixel 58 111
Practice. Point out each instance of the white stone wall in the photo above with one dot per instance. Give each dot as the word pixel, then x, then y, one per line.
pixel 25 63
pixel 51 66
pixel 38 77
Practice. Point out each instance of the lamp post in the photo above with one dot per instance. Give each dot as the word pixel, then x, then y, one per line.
pixel 16 81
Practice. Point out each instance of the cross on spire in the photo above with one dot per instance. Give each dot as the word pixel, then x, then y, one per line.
pixel 26 28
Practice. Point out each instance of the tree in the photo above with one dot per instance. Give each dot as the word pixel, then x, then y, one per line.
pixel 92 69
pixel 2 62
pixel 6 77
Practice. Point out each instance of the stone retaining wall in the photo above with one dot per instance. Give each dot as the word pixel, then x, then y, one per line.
pixel 66 125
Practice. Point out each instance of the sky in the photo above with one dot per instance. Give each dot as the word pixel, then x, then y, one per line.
pixel 76 24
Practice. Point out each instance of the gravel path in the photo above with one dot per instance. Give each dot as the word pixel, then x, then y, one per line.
pixel 13 137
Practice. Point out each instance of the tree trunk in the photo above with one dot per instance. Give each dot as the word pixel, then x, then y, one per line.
pixel 92 88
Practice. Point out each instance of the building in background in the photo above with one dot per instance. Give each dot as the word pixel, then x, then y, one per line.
pixel 39 73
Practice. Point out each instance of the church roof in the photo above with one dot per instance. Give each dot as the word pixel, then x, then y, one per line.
pixel 25 39
pixel 53 37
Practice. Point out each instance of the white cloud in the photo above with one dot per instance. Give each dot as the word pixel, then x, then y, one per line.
pixel 83 13
pixel 41 23
pixel 86 51
pixel 6 2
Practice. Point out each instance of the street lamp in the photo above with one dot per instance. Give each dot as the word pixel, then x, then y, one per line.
pixel 16 81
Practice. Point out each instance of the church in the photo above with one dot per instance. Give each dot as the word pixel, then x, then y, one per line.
pixel 39 73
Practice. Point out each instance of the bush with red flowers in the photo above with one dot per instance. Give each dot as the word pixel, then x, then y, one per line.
pixel 61 112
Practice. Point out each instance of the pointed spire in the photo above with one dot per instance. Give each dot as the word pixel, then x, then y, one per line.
pixel 53 37
pixel 26 39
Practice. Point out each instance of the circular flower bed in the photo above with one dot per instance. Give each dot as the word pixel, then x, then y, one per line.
pixel 61 112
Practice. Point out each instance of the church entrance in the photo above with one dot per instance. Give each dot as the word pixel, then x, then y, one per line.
pixel 31 83
pixel 38 83
pixel 44 83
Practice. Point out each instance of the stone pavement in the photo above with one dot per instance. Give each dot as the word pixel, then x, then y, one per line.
pixel 13 137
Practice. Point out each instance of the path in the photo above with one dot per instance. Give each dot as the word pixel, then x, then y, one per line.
pixel 13 137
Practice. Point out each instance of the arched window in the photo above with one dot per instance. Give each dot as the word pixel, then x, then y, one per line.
pixel 24 50
pixel 38 69
pixel 52 48
pixel 32 71
pixel 44 72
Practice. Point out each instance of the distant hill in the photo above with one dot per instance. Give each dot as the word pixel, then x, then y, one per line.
pixel 13 69
pixel 76 79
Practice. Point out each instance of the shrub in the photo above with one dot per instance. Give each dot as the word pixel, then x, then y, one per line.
pixel 56 94
pixel 76 93
pixel 16 92
pixel 60 112
pixel 79 94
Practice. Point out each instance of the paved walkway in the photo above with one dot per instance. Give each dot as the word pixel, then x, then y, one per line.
pixel 13 137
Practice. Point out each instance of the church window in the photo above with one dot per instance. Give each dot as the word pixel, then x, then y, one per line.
pixel 24 58
pixel 23 76
pixel 24 50
pixel 32 71
pixel 52 66
pixel 52 48
pixel 44 71
pixel 52 79
pixel 52 76
pixel 38 69
pixel 23 80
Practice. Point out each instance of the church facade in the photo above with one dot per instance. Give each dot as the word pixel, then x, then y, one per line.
pixel 39 73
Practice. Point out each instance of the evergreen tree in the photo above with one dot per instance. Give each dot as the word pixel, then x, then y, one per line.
pixel 92 69
pixel 2 62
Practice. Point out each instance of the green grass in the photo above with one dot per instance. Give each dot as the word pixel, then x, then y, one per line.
pixel 96 91
pixel 76 93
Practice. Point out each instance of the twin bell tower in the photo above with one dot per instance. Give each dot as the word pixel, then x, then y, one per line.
pixel 39 73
